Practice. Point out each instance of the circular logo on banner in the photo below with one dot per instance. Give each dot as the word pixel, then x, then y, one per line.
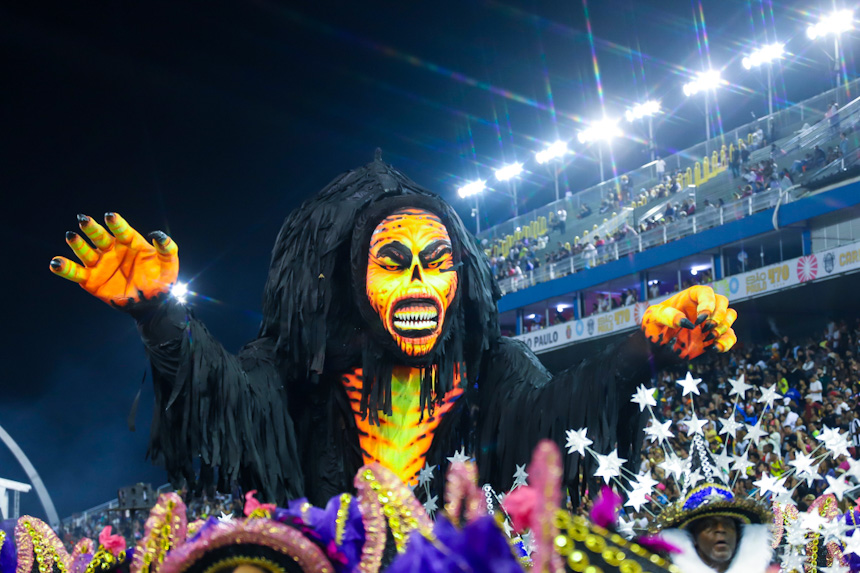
pixel 567 332
pixel 734 284
pixel 637 312
pixel 807 268
pixel 828 262
pixel 579 328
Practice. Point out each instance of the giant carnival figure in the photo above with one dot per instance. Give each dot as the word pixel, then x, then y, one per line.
pixel 379 342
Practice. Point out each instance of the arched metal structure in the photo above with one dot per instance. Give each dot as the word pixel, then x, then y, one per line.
pixel 33 476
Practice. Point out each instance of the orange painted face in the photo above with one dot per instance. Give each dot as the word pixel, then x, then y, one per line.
pixel 411 282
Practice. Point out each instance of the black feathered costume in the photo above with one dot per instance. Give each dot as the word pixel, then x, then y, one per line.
pixel 276 418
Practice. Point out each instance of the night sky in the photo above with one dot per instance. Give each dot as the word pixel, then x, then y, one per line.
pixel 212 120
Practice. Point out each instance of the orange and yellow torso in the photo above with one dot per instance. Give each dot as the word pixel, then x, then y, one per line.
pixel 401 440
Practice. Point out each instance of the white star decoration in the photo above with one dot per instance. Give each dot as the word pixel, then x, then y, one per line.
pixel 672 466
pixel 730 425
pixel 637 498
pixel 430 505
pixel 645 481
pixel 625 528
pixel 659 432
pixel 834 441
pixel 226 517
pixel 459 457
pixel 609 466
pixel 425 475
pixel 690 384
pixel 852 545
pixel 577 441
pixel 768 396
pixel 792 562
pixel 723 460
pixel 838 486
pixel 695 425
pixel 835 568
pixel 742 463
pixel 755 433
pixel 768 484
pixel 739 387
pixel 693 478
pixel 644 397
pixel 506 525
pixel 520 476
pixel 802 463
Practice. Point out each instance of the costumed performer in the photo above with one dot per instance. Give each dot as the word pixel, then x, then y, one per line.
pixel 379 343
pixel 714 530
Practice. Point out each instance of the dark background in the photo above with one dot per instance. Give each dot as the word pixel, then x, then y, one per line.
pixel 212 120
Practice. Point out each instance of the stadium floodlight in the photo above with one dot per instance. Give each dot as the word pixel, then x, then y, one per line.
pixel 472 188
pixel 554 151
pixel 179 291
pixel 644 109
pixel 647 109
pixel 705 81
pixel 602 130
pixel 765 55
pixel 834 23
pixel 509 171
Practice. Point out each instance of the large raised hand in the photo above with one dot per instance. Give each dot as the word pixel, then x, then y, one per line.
pixel 692 321
pixel 123 267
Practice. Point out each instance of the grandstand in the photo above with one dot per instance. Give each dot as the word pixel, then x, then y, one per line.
pixel 620 209
pixel 703 224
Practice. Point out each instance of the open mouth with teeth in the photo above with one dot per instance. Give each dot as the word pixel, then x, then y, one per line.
pixel 415 317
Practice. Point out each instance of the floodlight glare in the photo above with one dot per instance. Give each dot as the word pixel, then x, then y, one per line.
pixel 509 171
pixel 179 291
pixel 640 110
pixel 554 151
pixel 764 55
pixel 705 81
pixel 834 23
pixel 472 188
pixel 602 130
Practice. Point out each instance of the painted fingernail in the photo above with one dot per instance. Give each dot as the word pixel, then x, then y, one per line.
pixel 701 318
pixel 685 322
pixel 709 325
pixel 71 236
pixel 159 236
pixel 56 264
pixel 710 337
pixel 109 216
pixel 83 219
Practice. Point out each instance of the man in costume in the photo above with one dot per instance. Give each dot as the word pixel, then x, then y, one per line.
pixel 379 342
pixel 714 530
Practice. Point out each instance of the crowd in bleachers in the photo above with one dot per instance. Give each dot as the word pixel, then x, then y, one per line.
pixel 818 381
pixel 130 524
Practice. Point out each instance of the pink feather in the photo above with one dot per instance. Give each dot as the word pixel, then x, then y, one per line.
pixel 604 512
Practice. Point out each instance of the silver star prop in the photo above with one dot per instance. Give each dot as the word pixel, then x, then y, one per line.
pixel 795 534
pixel 577 441
pixel 226 517
pixel 659 432
pixel 852 545
pixel 625 528
pixel 812 521
pixel 459 457
pixel 742 463
pixel 672 465
pixel 768 396
pixel 609 465
pixel 693 478
pixel 506 525
pixel 425 475
pixel 689 384
pixel 723 460
pixel 833 530
pixel 853 468
pixel 834 441
pixel 520 476
pixel 739 387
pixel 755 433
pixel 838 486
pixel 730 425
pixel 430 505
pixel 695 425
pixel 768 484
pixel 835 568
pixel 644 397
pixel 801 462
pixel 793 561
pixel 637 498
pixel 527 543
pixel 644 480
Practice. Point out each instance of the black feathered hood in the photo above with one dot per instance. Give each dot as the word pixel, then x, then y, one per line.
pixel 310 304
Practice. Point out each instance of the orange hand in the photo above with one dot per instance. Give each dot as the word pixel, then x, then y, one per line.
pixel 677 321
pixel 123 267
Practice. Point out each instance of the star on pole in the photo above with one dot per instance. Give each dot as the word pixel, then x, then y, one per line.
pixel 226 517
pixel 838 486
pixel 834 441
pixel 802 463
pixel 755 433
pixel 742 463
pixel 689 384
pixel 695 425
pixel 520 476
pixel 766 484
pixel 659 431
pixel 644 397
pixel 835 568
pixel 739 387
pixel 730 425
pixel 577 441
pixel 459 457
pixel 768 396
pixel 852 545
pixel 430 505
pixel 609 465
pixel 723 460
pixel 672 466
pixel 637 498
pixel 425 475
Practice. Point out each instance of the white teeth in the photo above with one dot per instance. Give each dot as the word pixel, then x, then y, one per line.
pixel 415 324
